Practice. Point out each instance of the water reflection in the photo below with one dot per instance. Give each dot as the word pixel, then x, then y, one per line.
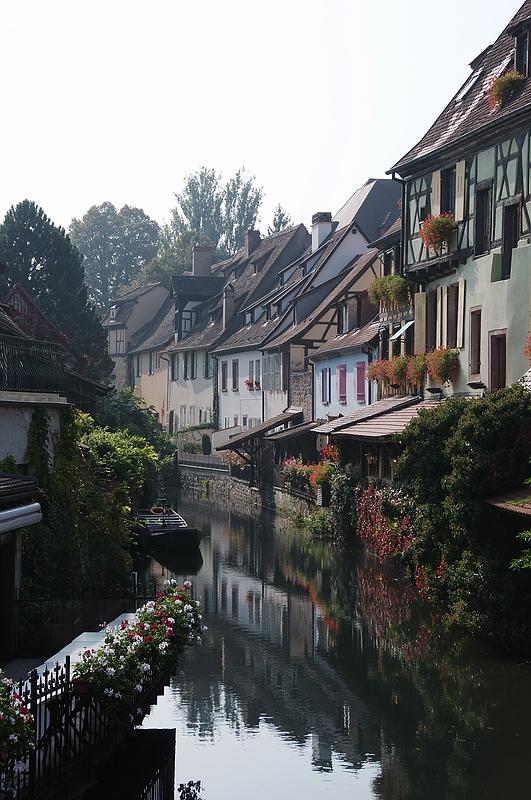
pixel 320 672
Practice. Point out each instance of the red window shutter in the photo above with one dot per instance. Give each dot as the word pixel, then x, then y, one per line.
pixel 342 369
pixel 360 381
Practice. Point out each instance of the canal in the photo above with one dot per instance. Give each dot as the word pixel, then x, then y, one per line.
pixel 321 674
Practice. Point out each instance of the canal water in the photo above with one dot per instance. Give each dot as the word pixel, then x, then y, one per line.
pixel 321 675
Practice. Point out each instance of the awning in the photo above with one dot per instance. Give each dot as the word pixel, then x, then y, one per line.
pixel 17 489
pixel 369 412
pixel 386 426
pixel 402 330
pixel 292 433
pixel 260 430
pixel 518 501
pixel 20 517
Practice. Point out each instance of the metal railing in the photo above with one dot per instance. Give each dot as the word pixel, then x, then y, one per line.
pixel 72 731
pixel 30 366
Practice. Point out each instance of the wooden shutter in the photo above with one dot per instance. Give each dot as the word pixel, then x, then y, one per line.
pixel 436 183
pixel 342 376
pixel 460 176
pixel 461 313
pixel 419 345
pixel 360 381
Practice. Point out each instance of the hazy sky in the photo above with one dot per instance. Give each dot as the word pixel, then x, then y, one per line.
pixel 120 100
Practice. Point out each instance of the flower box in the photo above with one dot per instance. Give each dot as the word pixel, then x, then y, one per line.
pixel 436 232
pixel 80 687
pixel 502 87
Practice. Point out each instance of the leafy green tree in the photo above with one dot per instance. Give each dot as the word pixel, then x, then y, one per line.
pixel 281 221
pixel 116 245
pixel 42 258
pixel 221 213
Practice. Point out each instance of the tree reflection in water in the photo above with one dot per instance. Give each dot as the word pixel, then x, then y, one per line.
pixel 326 650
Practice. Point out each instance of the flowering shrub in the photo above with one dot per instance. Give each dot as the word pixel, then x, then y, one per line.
pixel 442 364
pixel 387 289
pixel 384 519
pixel 502 87
pixel 296 473
pixel 162 629
pixel 16 732
pixel 436 231
pixel 234 460
pixel 416 369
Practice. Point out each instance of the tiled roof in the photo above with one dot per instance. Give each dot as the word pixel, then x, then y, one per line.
pixel 259 430
pixel 10 328
pixel 251 336
pixel 469 113
pixel 346 342
pixel 374 410
pixel 386 425
pixel 518 501
pixel 197 286
pixel 206 334
pixel 362 263
pixel 371 207
pixel 158 332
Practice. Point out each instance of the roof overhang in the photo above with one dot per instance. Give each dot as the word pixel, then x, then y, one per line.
pixel 259 431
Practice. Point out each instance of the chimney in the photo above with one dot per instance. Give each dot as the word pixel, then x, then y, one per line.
pixel 228 304
pixel 252 240
pixel 201 260
pixel 321 227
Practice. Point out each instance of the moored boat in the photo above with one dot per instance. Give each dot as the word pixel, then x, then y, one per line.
pixel 167 527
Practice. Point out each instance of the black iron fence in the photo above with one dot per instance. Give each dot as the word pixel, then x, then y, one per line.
pixel 30 366
pixel 73 731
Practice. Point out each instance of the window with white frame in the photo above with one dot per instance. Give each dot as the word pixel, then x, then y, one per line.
pixel 182 417
pixel 139 365
pixel 174 367
pixel 325 385
pixel 224 377
pixel 272 375
pixel 151 363
pixel 235 374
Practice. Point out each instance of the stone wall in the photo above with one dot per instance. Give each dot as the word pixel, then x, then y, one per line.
pixel 301 393
pixel 224 490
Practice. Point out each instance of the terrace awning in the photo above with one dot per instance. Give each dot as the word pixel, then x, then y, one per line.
pixel 259 431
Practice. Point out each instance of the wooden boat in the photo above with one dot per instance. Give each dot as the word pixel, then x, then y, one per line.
pixel 167 527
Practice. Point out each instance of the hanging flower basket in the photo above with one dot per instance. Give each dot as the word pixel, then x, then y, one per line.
pixel 502 87
pixel 416 369
pixel 389 289
pixel 436 232
pixel 442 364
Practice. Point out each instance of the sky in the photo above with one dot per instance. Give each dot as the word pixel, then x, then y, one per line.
pixel 120 100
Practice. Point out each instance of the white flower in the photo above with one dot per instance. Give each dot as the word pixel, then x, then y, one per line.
pixel 145 668
pixel 110 671
pixel 187 585
pixel 13 738
pixel 138 687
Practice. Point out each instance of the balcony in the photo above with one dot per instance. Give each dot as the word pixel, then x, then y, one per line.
pixel 27 365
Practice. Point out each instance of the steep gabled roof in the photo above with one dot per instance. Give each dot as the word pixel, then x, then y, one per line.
pixel 372 207
pixel 158 332
pixel 369 412
pixel 348 342
pixel 298 330
pixel 469 115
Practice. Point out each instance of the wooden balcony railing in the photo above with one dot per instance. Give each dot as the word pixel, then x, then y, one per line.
pixel 30 366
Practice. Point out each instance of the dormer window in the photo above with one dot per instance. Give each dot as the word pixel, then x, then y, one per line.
pixel 521 55
pixel 114 309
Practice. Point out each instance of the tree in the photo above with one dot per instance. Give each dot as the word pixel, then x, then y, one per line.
pixel 220 213
pixel 281 221
pixel 116 245
pixel 41 257
pixel 175 254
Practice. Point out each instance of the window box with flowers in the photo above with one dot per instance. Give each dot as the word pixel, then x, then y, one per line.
pixel 502 87
pixel 442 364
pixel 250 384
pixel 135 652
pixel 388 289
pixel 397 369
pixel 416 369
pixel 378 370
pixel 436 232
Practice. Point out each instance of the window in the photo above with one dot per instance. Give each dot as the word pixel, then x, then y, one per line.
pixel 498 360
pixel 151 363
pixel 182 417
pixel 482 231
pixel 171 422
pixel 510 236
pixel 120 341
pixel 190 365
pixel 360 381
pixel 191 415
pixel 342 318
pixel 453 302
pixel 448 191
pixel 225 422
pixel 174 367
pixel 521 60
pixel 139 365
pixel 475 343
pixel 388 262
pixel 235 375
pixel 431 320
pixel 244 421
pixel 207 364
pixel 251 371
pixel 342 383
pixel 272 372
pixel 224 375
pixel 325 385
pixel 235 420
pixel 257 372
